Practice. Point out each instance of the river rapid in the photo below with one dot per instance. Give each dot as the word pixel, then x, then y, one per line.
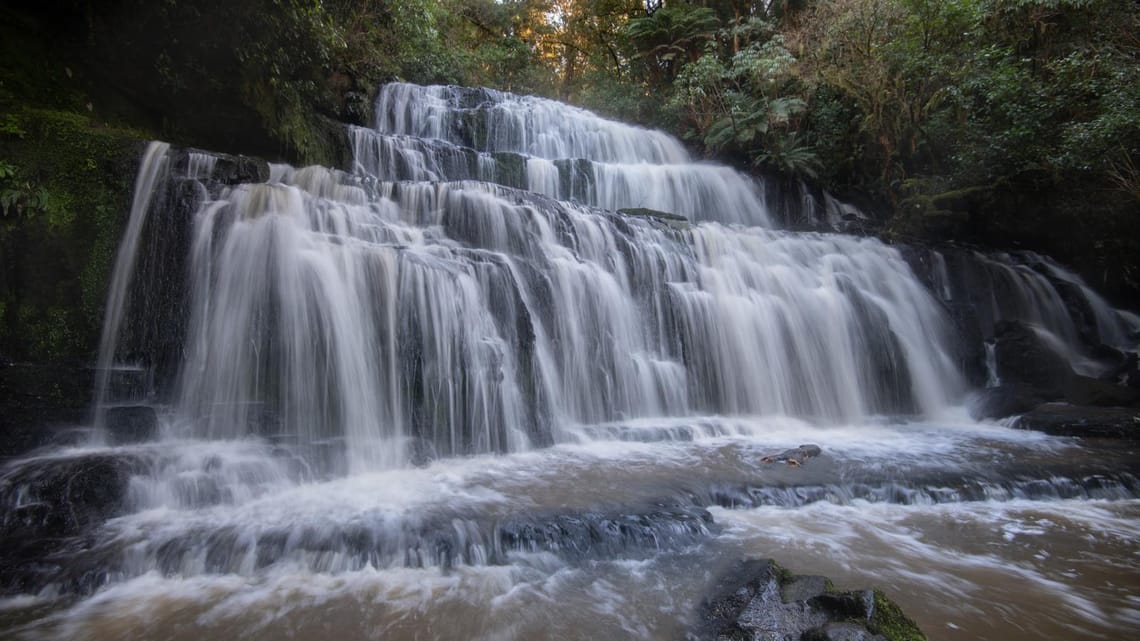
pixel 978 531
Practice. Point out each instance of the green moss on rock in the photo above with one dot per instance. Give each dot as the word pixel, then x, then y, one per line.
pixel 68 193
pixel 889 620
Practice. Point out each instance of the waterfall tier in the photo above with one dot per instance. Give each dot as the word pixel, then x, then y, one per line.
pixel 456 295
pixel 481 318
pixel 452 133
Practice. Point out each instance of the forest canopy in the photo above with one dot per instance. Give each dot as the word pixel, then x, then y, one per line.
pixel 1008 122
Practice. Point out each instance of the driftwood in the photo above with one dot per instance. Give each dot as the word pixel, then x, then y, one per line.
pixel 794 457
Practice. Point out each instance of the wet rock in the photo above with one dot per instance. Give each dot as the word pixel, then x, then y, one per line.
pixel 1022 357
pixel 1085 390
pixel 841 632
pixel 38 402
pixel 1063 419
pixel 1003 401
pixel 606 534
pixel 794 457
pixel 760 601
pixel 802 588
pixel 234 170
pixel 131 424
pixel 48 504
pixel 1121 368
pixel 1034 370
pixel 60 497
pixel 645 212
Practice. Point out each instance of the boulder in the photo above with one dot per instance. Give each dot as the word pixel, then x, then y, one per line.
pixel 842 631
pixel 1002 401
pixel 234 170
pixel 1063 419
pixel 1084 390
pixel 794 457
pixel 757 600
pixel 49 504
pixel 1024 358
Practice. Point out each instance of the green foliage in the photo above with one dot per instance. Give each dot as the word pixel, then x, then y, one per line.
pixel 64 186
pixel 674 32
pixel 741 98
pixel 1021 105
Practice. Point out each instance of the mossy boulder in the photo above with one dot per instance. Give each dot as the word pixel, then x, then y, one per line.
pixel 759 599
pixel 65 188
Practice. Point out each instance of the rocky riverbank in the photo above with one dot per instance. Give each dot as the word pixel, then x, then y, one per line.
pixel 758 600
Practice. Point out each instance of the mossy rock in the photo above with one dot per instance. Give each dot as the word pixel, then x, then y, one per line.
pixel 510 169
pixel 756 598
pixel 67 185
pixel 889 620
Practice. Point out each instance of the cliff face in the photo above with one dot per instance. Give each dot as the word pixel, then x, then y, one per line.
pixel 66 190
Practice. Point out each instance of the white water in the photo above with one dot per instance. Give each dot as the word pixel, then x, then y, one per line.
pixel 458 314
pixel 359 557
pixel 151 169
pixel 1033 289
pixel 586 383
pixel 559 151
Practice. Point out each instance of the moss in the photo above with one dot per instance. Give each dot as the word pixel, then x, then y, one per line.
pixel 890 621
pixel 510 169
pixel 783 575
pixel 74 178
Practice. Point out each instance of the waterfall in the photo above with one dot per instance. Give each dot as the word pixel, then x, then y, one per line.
pixel 1027 287
pixel 423 304
pixel 459 292
pixel 154 164
pixel 454 133
pixel 518 355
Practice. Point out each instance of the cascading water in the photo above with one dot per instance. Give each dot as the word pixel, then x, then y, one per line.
pixel 1025 287
pixel 153 164
pixel 576 384
pixel 456 312
pixel 452 133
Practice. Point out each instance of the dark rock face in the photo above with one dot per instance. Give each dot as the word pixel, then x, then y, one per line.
pixel 233 170
pixel 1084 390
pixel 1062 419
pixel 760 601
pixel 1023 358
pixel 1002 401
pixel 131 424
pixel 961 298
pixel 60 497
pixel 47 505
pixel 803 207
pixel 40 404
